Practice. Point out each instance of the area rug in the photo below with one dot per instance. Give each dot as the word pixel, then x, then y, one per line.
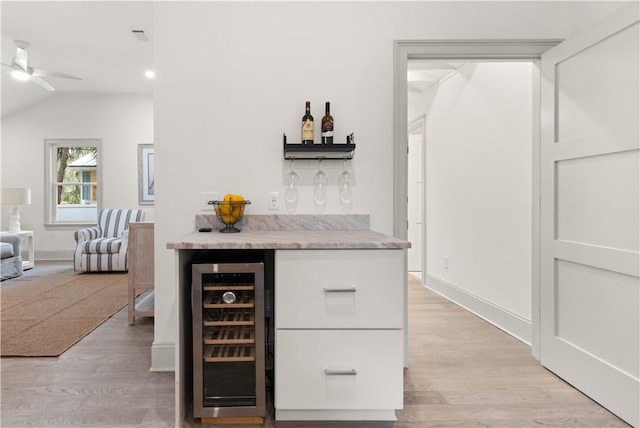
pixel 43 316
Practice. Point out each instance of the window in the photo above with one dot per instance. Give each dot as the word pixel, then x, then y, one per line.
pixel 73 185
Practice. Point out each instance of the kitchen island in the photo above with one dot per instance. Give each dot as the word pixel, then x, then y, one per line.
pixel 339 312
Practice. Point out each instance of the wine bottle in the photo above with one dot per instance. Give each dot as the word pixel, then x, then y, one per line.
pixel 327 126
pixel 307 125
pixel 213 315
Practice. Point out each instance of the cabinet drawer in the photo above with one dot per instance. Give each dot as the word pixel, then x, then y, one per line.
pixel 339 369
pixel 339 288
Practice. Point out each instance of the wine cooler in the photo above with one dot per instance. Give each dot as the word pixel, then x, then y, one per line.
pixel 228 340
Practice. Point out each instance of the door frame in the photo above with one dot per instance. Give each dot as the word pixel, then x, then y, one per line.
pixel 460 51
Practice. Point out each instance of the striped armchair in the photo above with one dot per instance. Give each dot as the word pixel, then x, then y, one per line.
pixel 104 247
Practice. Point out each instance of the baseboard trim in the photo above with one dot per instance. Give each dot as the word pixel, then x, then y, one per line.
pixel 163 357
pixel 502 318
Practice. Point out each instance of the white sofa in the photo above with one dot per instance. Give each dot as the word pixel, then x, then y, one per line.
pixel 10 255
pixel 103 248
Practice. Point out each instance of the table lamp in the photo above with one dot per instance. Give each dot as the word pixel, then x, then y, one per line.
pixel 15 196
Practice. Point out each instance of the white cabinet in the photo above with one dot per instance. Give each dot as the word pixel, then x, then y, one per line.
pixel 339 334
pixel 344 369
pixel 339 289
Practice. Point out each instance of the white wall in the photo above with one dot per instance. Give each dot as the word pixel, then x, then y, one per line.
pixel 233 76
pixel 120 121
pixel 479 177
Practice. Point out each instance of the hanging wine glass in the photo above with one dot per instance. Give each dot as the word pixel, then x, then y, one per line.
pixel 344 185
pixel 320 185
pixel 291 185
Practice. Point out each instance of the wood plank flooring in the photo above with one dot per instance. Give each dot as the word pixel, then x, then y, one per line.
pixel 463 373
pixel 102 381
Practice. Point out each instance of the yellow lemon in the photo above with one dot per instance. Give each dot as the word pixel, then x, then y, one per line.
pixel 228 219
pixel 224 208
pixel 230 206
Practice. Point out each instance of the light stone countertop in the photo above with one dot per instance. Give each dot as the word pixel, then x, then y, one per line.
pixel 296 239
pixel 330 232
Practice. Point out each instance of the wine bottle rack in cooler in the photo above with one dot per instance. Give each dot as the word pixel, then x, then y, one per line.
pixel 228 339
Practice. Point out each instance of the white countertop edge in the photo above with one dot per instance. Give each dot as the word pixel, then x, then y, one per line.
pixel 299 240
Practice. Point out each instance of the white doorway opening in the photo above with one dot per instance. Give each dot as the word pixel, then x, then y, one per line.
pixel 469 51
pixel 469 187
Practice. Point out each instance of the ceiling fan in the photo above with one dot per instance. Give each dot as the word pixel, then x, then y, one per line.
pixel 21 70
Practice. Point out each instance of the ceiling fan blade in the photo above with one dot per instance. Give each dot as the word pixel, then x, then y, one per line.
pixel 21 58
pixel 41 82
pixel 37 72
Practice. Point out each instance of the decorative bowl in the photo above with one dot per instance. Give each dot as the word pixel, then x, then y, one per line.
pixel 229 213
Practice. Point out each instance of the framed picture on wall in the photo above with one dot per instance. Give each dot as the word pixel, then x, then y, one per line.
pixel 146 174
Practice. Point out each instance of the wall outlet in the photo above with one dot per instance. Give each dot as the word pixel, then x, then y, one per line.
pixel 274 201
pixel 445 262
pixel 205 197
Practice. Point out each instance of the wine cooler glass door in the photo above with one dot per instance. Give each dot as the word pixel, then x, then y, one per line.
pixel 228 339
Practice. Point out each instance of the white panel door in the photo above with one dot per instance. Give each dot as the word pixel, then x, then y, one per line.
pixel 590 287
pixel 415 204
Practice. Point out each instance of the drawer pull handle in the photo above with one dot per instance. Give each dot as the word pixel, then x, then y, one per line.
pixel 330 372
pixel 340 290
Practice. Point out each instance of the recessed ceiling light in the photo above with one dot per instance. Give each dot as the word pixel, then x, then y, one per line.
pixel 150 74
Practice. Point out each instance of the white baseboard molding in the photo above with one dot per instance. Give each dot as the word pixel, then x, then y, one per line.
pixel 53 255
pixel 163 357
pixel 502 318
pixel 335 415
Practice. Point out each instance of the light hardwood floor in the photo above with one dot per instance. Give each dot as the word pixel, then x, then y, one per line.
pixel 463 373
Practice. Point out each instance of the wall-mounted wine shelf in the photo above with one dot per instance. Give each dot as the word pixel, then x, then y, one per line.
pixel 319 151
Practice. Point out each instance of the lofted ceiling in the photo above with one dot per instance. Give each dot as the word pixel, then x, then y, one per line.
pixel 90 39
pixel 425 75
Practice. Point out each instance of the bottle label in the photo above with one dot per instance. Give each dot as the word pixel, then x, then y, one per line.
pixel 327 129
pixel 307 130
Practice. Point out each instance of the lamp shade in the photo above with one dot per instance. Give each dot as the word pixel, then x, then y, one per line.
pixel 16 196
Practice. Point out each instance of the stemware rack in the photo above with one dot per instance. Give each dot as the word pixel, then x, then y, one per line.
pixel 319 151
